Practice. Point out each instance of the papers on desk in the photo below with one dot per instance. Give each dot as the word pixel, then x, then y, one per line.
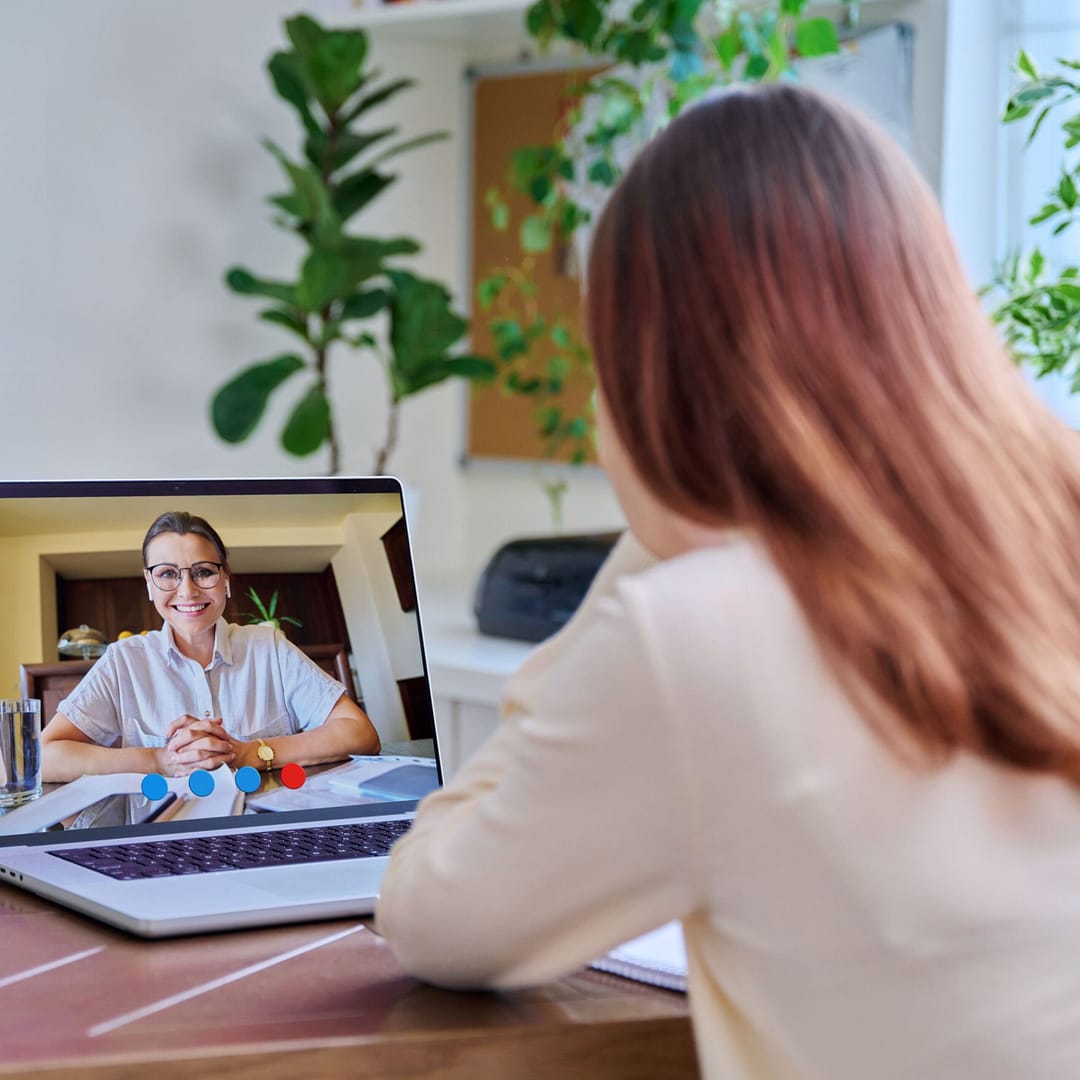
pixel 72 798
pixel 657 958
pixel 340 786
pixel 386 776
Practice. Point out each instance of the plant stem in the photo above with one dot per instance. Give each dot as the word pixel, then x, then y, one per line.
pixel 331 434
pixel 390 441
pixel 325 171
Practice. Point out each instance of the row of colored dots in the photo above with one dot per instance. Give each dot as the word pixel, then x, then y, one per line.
pixel 201 783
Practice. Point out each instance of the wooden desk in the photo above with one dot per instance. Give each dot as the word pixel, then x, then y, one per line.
pixel 339 1006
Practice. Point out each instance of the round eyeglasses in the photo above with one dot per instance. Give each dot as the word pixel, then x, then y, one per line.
pixel 167 577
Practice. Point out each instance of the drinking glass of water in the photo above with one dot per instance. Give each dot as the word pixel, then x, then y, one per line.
pixel 20 751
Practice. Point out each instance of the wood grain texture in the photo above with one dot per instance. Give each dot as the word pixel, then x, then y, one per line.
pixel 342 1008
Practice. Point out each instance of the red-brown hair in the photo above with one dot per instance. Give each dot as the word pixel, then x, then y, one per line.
pixel 785 341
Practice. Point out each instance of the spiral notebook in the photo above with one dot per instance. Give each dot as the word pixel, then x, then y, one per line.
pixel 657 958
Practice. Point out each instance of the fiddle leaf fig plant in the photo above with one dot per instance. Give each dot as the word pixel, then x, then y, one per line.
pixel 1039 305
pixel 351 293
pixel 659 56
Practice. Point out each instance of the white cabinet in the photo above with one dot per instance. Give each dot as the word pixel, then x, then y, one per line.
pixel 467 671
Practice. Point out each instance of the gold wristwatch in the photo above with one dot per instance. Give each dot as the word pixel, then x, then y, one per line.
pixel 266 754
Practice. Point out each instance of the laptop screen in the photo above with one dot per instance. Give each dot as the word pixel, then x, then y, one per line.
pixel 318 638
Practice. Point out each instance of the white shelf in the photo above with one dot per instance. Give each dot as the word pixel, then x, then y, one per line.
pixel 478 26
pixel 458 22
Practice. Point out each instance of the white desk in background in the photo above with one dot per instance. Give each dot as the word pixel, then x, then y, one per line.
pixel 468 671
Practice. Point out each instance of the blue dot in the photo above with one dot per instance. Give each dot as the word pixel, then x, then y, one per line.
pixel 248 779
pixel 201 783
pixel 154 786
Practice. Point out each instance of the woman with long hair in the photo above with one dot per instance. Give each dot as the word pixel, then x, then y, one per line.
pixel 823 702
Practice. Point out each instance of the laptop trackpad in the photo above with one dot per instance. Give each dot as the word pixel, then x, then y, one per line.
pixel 323 881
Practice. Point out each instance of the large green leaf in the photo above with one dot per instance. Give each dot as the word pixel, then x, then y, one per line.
pixel 376 97
pixel 469 366
pixel 288 318
pixel 404 383
pixel 304 33
pixel 356 191
pixel 326 276
pixel 410 144
pixel 310 194
pixel 245 283
pixel 290 202
pixel 309 425
pixel 332 60
pixel 238 406
pixel 816 37
pixel 344 148
pixel 440 369
pixel 366 247
pixel 365 304
pixel 422 325
pixel 332 273
pixel 287 74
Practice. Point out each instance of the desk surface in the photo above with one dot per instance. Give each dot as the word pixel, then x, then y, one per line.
pixel 319 999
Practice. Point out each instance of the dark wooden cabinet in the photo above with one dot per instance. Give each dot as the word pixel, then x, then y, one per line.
pixel 395 543
pixel 51 683
pixel 115 604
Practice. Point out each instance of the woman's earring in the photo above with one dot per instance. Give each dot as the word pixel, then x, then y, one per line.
pixel 228 590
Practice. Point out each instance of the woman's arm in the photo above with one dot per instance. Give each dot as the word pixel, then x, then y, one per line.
pixel 569 831
pixel 68 753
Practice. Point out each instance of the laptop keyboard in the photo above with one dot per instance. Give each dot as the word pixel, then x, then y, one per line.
pixel 238 851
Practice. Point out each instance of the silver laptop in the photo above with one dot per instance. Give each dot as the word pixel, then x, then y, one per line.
pixel 153 856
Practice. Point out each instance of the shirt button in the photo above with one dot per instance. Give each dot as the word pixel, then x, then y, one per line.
pixel 206 713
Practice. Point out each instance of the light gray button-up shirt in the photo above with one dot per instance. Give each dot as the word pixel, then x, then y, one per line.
pixel 257 682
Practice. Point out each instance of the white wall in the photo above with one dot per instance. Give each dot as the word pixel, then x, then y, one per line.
pixel 132 178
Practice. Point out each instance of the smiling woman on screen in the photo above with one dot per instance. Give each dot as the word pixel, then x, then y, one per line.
pixel 200 692
pixel 822 704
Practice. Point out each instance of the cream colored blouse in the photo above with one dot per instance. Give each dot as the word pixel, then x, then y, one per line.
pixel 679 751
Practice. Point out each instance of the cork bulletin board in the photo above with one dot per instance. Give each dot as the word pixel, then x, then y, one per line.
pixel 513 108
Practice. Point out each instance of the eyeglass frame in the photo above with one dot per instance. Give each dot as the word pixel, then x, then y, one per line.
pixel 181 570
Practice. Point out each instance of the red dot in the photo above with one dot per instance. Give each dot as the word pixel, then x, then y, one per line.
pixel 293 775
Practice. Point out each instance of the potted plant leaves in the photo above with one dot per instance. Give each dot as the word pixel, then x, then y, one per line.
pixel 351 293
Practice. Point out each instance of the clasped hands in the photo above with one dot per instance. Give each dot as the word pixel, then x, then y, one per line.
pixel 200 743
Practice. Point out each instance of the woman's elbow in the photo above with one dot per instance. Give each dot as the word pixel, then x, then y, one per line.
pixel 374 742
pixel 442 960
pixel 365 738
pixel 53 770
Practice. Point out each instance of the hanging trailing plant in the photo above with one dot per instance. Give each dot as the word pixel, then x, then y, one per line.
pixel 662 55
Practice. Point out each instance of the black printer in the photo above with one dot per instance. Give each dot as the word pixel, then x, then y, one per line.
pixel 531 587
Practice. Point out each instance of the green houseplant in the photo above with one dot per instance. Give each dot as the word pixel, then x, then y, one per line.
pixel 351 292
pixel 266 614
pixel 665 54
pixel 1038 305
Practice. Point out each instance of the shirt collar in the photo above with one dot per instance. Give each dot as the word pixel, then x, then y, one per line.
pixel 222 643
